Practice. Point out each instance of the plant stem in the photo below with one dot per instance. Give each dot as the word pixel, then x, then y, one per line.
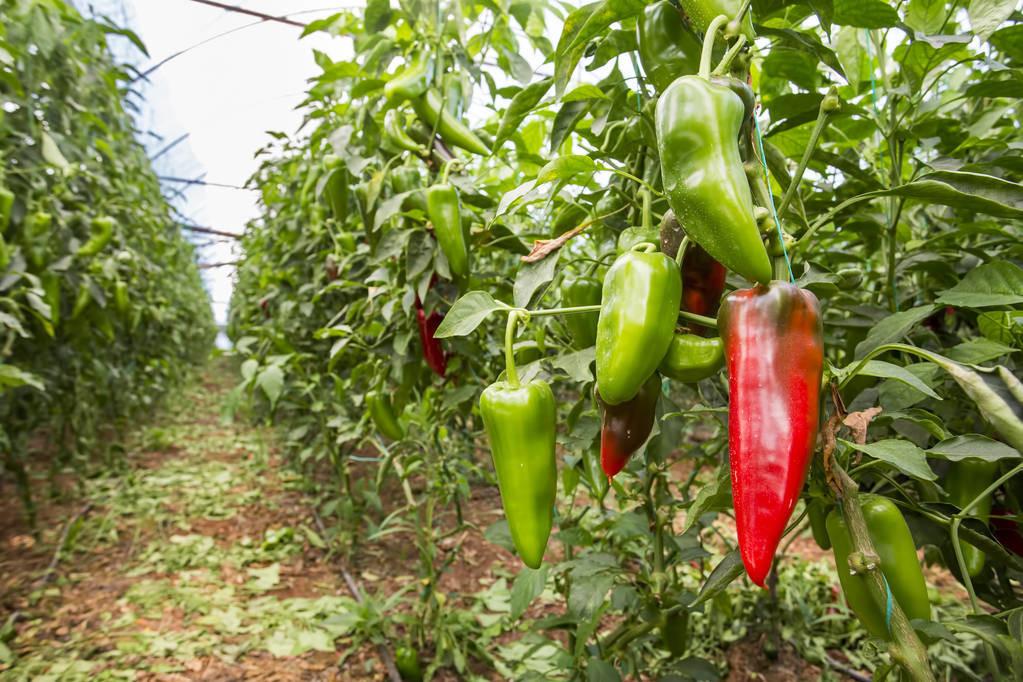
pixel 708 45
pixel 509 351
pixel 822 121
pixel 699 319
pixel 730 56
pixel 681 251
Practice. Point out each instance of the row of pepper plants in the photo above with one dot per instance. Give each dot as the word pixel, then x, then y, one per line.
pixel 101 304
pixel 709 259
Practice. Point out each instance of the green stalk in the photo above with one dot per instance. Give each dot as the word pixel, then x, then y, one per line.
pixel 509 352
pixel 708 45
pixel 828 106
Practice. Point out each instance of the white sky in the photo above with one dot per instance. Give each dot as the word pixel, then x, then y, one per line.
pixel 226 94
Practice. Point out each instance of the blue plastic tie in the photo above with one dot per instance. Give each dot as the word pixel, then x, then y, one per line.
pixel 770 197
pixel 888 605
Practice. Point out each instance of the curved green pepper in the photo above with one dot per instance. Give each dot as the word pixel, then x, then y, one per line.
pixel 444 211
pixel 6 204
pixel 899 564
pixel 337 188
pixel 520 425
pixel 102 233
pixel 397 137
pixel 631 236
pixel 966 480
pixel 667 47
pixel 382 415
pixel 691 358
pixel 121 300
pixel 82 301
pixel 698 125
pixel 818 515
pixel 702 12
pixel 451 130
pixel 581 291
pixel 410 82
pixel 639 306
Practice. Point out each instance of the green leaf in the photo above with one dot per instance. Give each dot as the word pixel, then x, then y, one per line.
pixel 712 496
pixel 865 14
pixel 886 370
pixel 972 192
pixel 528 585
pixel 378 15
pixel 726 571
pixel 565 168
pixel 583 25
pixel 976 351
pixel 577 364
pixel 988 15
pixel 585 91
pixel 994 284
pixel 521 105
pixel 533 276
pixel 51 153
pixel 11 377
pixel 566 120
pixel 271 380
pixel 975 446
pixel 600 671
pixel 467 313
pixel 902 454
pixel 807 42
pixel 893 328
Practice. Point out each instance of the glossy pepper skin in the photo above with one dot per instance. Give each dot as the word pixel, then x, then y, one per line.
pixel 639 306
pixel 520 425
pixel 406 660
pixel 102 233
pixel 625 427
pixel 691 358
pixel 579 291
pixel 698 125
pixel 397 137
pixel 337 189
pixel 703 278
pixel 818 515
pixel 899 564
pixel 675 632
pixel 444 210
pixel 451 130
pixel 433 352
pixel 702 12
pixel 668 48
pixel 410 82
pixel 631 236
pixel 966 479
pixel 774 350
pixel 382 414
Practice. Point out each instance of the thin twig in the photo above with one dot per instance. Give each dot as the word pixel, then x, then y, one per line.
pixel 251 13
pixel 52 568
pixel 353 587
pixel 845 670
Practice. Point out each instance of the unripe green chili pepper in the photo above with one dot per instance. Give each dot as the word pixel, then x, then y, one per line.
pixel 406 660
pixel 5 253
pixel 702 12
pixel 675 632
pixel 580 291
pixel 899 564
pixel 451 130
pixel 667 47
pixel 6 204
pixel 639 306
pixel 520 425
pixel 397 137
pixel 337 189
pixel 631 236
pixel 698 124
pixel 570 216
pixel 818 515
pixel 82 300
pixel 966 480
pixel 444 210
pixel 102 233
pixel 410 82
pixel 121 301
pixel 382 415
pixel 625 427
pixel 691 358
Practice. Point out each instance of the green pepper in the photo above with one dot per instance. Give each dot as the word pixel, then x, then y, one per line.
pixel 451 130
pixel 569 217
pixel 667 47
pixel 397 137
pixel 102 233
pixel 966 480
pixel 631 236
pixel 337 188
pixel 5 253
pixel 899 564
pixel 406 660
pixel 698 125
pixel 702 12
pixel 82 300
pixel 37 229
pixel 639 306
pixel 6 204
pixel 410 82
pixel 580 291
pixel 121 300
pixel 691 358
pixel 817 513
pixel 382 414
pixel 520 425
pixel 611 210
pixel 444 211
pixel 404 179
pixel 675 632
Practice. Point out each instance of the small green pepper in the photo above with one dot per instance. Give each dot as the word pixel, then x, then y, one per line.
pixel 691 358
pixel 580 291
pixel 451 130
pixel 382 415
pixel 444 210
pixel 967 479
pixel 410 82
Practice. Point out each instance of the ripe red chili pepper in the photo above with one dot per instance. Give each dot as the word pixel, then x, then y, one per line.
pixel 624 427
pixel 433 352
pixel 775 353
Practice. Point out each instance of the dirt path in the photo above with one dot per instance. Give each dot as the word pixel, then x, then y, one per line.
pixel 199 562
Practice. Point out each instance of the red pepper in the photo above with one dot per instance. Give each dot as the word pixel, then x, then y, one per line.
pixel 1007 531
pixel 624 427
pixel 433 352
pixel 774 348
pixel 703 280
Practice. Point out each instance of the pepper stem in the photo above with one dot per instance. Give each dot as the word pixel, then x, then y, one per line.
pixel 645 247
pixel 647 222
pixel 509 350
pixel 708 45
pixel 681 251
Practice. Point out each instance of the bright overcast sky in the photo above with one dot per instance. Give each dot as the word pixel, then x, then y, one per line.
pixel 226 95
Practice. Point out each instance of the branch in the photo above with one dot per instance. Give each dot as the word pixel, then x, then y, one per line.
pixel 251 13
pixel 545 247
pixel 52 568
pixel 210 230
pixel 210 266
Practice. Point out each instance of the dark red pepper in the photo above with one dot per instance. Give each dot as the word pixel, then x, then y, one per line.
pixel 433 352
pixel 1007 531
pixel 703 278
pixel 774 350
pixel 624 427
